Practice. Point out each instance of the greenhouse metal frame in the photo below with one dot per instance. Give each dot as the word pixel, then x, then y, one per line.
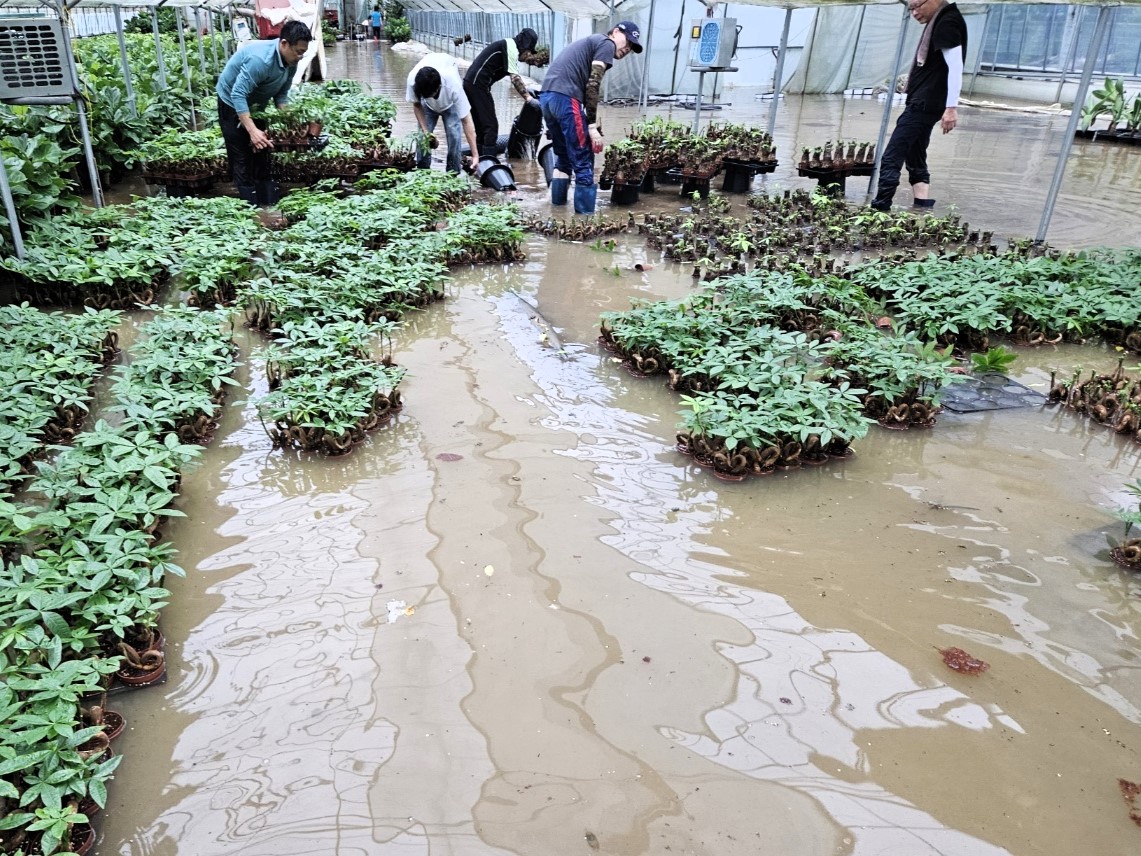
pixel 612 9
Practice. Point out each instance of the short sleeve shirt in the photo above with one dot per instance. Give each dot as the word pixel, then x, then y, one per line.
pixel 451 86
pixel 570 70
pixel 927 83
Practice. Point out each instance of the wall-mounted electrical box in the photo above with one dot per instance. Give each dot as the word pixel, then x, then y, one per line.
pixel 713 41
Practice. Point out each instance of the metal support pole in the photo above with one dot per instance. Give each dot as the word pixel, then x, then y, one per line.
pixel 213 42
pixel 606 80
pixel 1071 53
pixel 697 103
pixel 201 47
pixel 10 210
pixel 162 84
pixel 778 75
pixel 1099 29
pixel 979 53
pixel 89 153
pixel 889 99
pixel 644 95
pixel 124 62
pixel 186 72
pixel 85 133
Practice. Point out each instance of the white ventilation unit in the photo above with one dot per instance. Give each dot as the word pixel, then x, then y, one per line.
pixel 34 60
pixel 713 42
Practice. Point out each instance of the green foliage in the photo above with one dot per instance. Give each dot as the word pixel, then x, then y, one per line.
pixel 397 30
pixel 142 22
pixel 1131 516
pixel 994 360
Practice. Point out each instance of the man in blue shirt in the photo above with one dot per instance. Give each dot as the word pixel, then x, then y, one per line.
pixel 374 19
pixel 257 73
pixel 570 104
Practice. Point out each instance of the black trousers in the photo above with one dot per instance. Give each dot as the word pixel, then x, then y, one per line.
pixel 250 169
pixel 908 145
pixel 484 119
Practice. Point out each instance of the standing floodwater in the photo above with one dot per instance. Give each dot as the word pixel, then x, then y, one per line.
pixel 518 621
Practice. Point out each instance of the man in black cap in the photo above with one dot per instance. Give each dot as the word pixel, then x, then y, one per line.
pixel 498 60
pixel 570 106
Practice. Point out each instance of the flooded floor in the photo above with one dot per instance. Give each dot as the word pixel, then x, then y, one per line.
pixel 518 621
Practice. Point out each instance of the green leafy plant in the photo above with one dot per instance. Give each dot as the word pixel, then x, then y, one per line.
pixel 996 359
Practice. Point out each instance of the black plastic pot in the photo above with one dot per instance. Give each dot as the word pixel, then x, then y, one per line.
pixel 497 176
pixel 624 194
pixel 649 185
pixel 546 158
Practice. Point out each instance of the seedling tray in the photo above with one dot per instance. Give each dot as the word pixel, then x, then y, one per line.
pixel 833 175
pixel 201 181
pixel 755 167
pixel 1131 138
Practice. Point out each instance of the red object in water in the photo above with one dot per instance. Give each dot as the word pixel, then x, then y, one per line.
pixel 266 30
pixel 961 661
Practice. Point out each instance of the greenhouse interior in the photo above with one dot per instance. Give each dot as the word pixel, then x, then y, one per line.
pixel 464 469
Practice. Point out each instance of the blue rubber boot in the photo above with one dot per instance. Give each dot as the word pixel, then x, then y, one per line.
pixel 559 188
pixel 584 198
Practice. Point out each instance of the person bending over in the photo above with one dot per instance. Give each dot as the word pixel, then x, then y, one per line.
pixel 570 108
pixel 436 92
pixel 498 60
pixel 259 72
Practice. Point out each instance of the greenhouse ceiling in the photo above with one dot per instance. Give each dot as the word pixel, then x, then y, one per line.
pixel 570 8
pixel 601 8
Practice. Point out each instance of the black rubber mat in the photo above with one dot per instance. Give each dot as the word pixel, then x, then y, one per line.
pixel 990 391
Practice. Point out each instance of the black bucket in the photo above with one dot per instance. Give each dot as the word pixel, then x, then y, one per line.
pixel 624 194
pixel 546 158
pixel 649 184
pixel 500 146
pixel 526 131
pixel 497 176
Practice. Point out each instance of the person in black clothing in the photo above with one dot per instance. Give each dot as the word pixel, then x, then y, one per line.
pixel 497 61
pixel 933 89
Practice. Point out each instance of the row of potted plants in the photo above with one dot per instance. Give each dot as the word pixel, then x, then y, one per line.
pixel 333 282
pixel 785 228
pixel 660 144
pixel 779 368
pixel 326 390
pixel 1113 400
pixel 843 157
pixel 116 257
pixel 83 587
pixel 48 364
pixel 965 300
pixel 1123 116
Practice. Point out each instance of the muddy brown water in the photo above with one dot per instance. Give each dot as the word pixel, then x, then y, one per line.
pixel 570 639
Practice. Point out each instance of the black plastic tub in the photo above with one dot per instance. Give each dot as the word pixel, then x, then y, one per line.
pixel 624 194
